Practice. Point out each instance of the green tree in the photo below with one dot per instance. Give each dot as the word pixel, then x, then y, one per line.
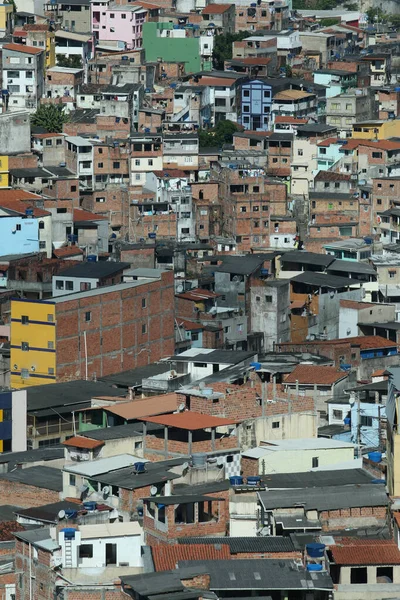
pixel 328 22
pixel 220 135
pixel 51 117
pixel 72 62
pixel 223 47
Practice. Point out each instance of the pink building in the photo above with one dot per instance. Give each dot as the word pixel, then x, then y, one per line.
pixel 118 23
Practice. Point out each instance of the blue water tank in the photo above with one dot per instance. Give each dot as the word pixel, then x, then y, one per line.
pixel 314 567
pixel 89 505
pixel 368 240
pixel 264 272
pixel 315 550
pixel 236 480
pixel 256 365
pixel 397 89
pixel 375 456
pixel 69 532
pixel 152 236
pixel 139 467
pixel 379 481
pixel 347 421
pixel 125 58
pixel 253 480
pixel 71 514
pixel 29 212
pixel 91 258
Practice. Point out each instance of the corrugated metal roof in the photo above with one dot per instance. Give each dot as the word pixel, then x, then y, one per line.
pixel 103 465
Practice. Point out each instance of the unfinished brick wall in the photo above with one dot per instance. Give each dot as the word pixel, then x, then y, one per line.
pixel 25 496
pixel 34 574
pixel 115 336
pixel 23 161
pixel 249 466
pixel 177 446
pixel 341 519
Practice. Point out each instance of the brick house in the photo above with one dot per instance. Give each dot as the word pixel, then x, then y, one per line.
pixel 32 486
pixel 189 432
pixel 90 335
pixel 170 517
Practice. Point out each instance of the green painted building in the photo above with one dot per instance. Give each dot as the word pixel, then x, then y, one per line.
pixel 157 45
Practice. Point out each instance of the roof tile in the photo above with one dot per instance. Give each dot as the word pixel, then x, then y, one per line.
pixel 166 557
pixel 83 442
pixel 370 552
pixel 190 421
pixel 314 374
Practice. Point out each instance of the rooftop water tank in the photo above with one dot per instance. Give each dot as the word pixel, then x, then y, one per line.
pixel 236 480
pixel 89 505
pixel 139 467
pixel 253 480
pixel 256 365
pixel 199 459
pixel 375 456
pixel 69 532
pixel 314 567
pixel 315 550
pixel 91 258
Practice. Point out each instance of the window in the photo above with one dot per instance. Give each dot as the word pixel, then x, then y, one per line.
pixel 25 375
pixel 123 16
pixel 276 424
pixel 337 414
pixel 59 284
pixel 88 316
pixel 315 462
pixel 137 162
pixel 392 274
pixel 112 16
pixel 150 161
pixel 18 227
pixel 42 245
pixel 102 199
pixel 365 421
pixel 243 209
pixel 69 285
pixel 50 318
pixel 144 303
pixel 379 201
pixel 49 142
pixel 86 551
pixel 195 337
pixel 300 152
pixel 268 299
pixel 25 320
pixel 144 328
pixel 7 414
pixel 358 575
pixel 100 165
pixel 377 155
pixel 116 165
pixel 25 346
pixel 72 480
pixel 265 207
pixel 50 345
pixel 41 224
pixel 246 93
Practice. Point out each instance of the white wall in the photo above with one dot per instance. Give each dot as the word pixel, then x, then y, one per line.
pixel 128 551
pixel 348 318
pixel 19 426
pixel 300 461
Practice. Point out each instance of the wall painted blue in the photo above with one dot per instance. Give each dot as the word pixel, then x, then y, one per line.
pixel 18 235
pixel 255 105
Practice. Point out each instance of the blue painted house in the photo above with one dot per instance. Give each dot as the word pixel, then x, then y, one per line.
pixel 18 235
pixel 254 105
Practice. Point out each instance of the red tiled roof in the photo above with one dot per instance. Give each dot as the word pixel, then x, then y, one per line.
pixel 83 442
pixel 67 251
pixel 20 207
pixel 253 60
pixel 332 176
pixel 328 141
pixel 288 119
pixel 170 173
pixel 191 421
pixel 8 195
pixel 22 48
pixel 313 374
pixel 7 529
pixel 85 215
pixel 219 81
pixel 354 304
pixel 216 9
pixel 36 27
pixel 166 557
pixel 197 295
pixel 146 5
pixel 279 171
pixel 376 553
pixel 141 408
pixel 380 373
pixel 189 325
pixel 381 144
pixel 366 342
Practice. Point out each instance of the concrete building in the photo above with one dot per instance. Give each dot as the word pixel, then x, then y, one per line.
pixel 118 24
pixel 15 136
pixel 88 276
pixel 345 110
pixel 72 15
pixel 23 76
pixel 85 334
pixel 13 421
pixel 255 107
pixel 269 304
pixel 296 456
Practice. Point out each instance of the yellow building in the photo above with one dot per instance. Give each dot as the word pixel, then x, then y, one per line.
pixel 6 12
pixel 33 343
pixel 50 49
pixel 4 175
pixel 376 130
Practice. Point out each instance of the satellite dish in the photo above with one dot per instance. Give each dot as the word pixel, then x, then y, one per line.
pixel 106 491
pixel 61 514
pixel 153 490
